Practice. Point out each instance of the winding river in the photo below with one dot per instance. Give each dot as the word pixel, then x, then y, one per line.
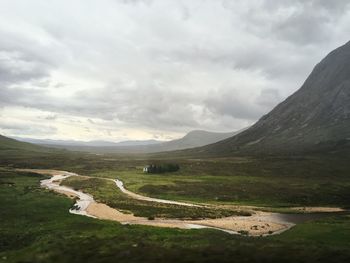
pixel 259 224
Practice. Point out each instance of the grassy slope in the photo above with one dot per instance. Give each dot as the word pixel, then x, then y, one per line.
pixel 36 227
pixel 11 144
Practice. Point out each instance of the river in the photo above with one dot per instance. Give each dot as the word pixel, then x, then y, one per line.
pixel 259 224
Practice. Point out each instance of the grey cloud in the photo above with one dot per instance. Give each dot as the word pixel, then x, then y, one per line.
pixel 23 57
pixel 229 103
pixel 42 100
pixel 305 27
pixel 332 7
pixel 18 96
pixel 23 62
pixel 27 129
pixel 269 59
pixel 162 64
pixel 16 67
pixel 148 2
pixel 269 98
pixel 51 117
pixel 147 106
pixel 294 22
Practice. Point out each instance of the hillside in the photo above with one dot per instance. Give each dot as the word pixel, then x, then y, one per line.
pixel 11 144
pixel 316 117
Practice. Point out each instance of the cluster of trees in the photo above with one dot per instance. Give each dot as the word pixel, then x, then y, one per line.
pixel 163 168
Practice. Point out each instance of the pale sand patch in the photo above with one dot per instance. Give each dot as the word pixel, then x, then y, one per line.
pixel 103 211
pixel 318 209
pixel 252 225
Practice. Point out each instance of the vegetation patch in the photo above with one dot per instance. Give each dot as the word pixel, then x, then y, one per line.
pixel 106 192
pixel 161 168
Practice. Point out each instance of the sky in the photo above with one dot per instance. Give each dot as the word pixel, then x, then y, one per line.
pixel 156 69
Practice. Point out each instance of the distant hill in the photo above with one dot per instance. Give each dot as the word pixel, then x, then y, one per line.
pixel 86 143
pixel 314 118
pixel 138 142
pixel 193 139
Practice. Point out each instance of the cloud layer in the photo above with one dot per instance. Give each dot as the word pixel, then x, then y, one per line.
pixel 137 69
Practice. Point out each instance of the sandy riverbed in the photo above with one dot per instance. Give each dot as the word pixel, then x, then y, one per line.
pixel 252 225
pixel 260 223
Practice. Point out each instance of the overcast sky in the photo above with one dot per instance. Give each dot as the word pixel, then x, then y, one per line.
pixel 129 69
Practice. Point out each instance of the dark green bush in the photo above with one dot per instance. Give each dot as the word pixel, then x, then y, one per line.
pixel 163 168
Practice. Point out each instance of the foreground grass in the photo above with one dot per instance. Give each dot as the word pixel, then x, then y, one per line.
pixel 36 227
pixel 106 192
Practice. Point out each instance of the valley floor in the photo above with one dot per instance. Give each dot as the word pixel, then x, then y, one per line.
pixel 254 223
pixel 36 226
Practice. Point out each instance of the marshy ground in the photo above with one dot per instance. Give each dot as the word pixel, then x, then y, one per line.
pixel 36 227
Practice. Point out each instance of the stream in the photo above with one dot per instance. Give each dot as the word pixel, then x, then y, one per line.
pixel 260 221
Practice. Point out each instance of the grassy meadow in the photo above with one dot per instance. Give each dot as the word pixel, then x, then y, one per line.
pixel 36 226
pixel 270 182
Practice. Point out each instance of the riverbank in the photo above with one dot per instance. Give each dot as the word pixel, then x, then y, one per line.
pixel 259 224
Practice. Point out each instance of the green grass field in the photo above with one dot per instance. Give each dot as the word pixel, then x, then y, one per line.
pixel 290 182
pixel 318 180
pixel 36 227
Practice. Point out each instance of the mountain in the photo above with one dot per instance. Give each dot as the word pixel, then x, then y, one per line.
pixel 137 142
pixel 193 139
pixel 316 117
pixel 85 143
pixel 196 138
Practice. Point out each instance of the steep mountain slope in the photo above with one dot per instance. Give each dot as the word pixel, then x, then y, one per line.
pixel 315 117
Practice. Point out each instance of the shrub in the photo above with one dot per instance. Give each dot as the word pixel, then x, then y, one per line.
pixel 163 168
